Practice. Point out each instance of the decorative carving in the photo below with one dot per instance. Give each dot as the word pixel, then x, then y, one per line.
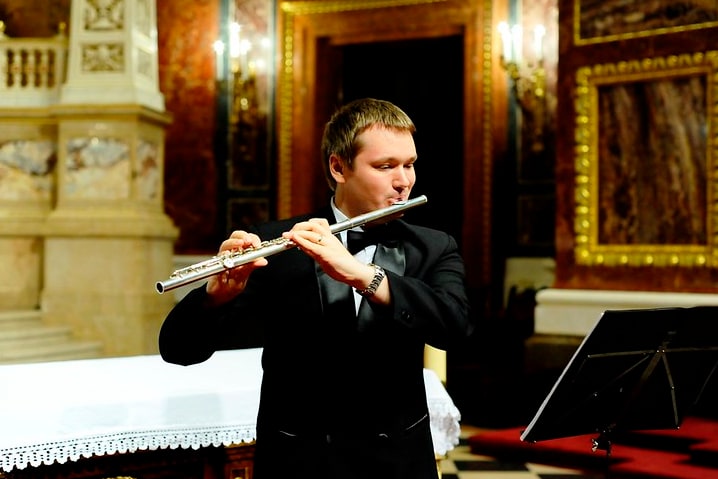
pixel 104 15
pixel 645 185
pixel 103 57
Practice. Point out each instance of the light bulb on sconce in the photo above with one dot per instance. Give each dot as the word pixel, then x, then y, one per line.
pixel 238 58
pixel 239 52
pixel 528 77
pixel 539 34
pixel 236 75
pixel 219 69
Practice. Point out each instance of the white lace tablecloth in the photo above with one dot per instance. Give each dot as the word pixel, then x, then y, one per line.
pixel 63 411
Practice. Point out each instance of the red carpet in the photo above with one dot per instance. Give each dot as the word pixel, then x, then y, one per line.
pixel 690 452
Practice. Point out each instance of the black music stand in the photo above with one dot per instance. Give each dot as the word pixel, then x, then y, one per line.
pixel 637 369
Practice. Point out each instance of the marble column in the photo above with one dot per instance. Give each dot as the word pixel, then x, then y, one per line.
pixel 108 239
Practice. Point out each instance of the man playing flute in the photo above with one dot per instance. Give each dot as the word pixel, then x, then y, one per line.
pixel 343 330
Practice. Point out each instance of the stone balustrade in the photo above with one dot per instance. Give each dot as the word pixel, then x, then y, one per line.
pixel 32 69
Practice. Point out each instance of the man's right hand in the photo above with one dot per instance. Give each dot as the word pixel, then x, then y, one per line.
pixel 224 286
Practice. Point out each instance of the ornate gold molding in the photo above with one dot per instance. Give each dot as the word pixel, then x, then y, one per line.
pixel 317 7
pixel 633 16
pixel 487 65
pixel 593 81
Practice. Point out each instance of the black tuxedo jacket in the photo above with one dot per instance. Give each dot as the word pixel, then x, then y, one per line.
pixel 333 378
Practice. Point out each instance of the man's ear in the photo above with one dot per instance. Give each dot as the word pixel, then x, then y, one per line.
pixel 336 168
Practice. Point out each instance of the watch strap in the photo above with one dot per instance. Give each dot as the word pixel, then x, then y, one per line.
pixel 379 275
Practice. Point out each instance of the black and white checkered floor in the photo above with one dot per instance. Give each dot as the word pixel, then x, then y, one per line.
pixel 462 464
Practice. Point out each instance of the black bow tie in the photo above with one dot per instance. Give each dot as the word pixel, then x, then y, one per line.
pixel 358 240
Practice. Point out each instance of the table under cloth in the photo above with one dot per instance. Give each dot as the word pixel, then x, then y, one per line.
pixel 66 410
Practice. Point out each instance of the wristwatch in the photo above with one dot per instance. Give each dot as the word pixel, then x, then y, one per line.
pixel 375 281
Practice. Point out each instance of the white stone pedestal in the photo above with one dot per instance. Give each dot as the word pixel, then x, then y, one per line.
pixel 108 239
pixel 563 317
pixel 574 312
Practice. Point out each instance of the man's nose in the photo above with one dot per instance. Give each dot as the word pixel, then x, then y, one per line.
pixel 402 179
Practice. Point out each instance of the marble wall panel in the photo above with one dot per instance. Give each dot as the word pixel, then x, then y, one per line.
pixel 147 178
pixel 26 170
pixel 97 168
pixel 653 171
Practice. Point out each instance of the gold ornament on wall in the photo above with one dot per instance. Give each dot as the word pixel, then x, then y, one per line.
pixel 645 175
pixel 528 79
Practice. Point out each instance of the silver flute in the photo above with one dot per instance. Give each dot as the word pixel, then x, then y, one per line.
pixel 231 259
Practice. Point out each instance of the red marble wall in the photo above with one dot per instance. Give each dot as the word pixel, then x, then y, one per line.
pixel 186 31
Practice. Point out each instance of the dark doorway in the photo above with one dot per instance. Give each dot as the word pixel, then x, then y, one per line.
pixel 424 77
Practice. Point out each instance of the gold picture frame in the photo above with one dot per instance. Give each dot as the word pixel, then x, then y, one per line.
pixel 611 20
pixel 645 163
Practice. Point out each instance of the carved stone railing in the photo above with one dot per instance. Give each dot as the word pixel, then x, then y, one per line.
pixel 32 70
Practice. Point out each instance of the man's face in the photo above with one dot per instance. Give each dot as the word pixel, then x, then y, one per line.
pixel 383 172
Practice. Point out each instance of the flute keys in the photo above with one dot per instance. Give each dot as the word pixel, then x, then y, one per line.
pixel 232 259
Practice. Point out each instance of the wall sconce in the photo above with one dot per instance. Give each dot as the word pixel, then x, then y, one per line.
pixel 234 69
pixel 238 63
pixel 239 51
pixel 242 70
pixel 528 78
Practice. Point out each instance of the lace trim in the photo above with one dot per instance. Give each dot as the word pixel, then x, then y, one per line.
pixel 445 428
pixel 99 445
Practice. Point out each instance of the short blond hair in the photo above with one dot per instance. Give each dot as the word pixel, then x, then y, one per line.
pixel 349 121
